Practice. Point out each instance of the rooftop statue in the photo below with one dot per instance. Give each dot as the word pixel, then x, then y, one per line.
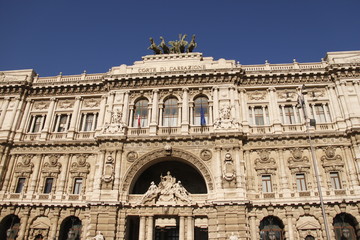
pixel 176 47
pixel 154 47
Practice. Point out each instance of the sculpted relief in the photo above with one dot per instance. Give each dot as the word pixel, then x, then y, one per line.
pixel 225 120
pixel 169 191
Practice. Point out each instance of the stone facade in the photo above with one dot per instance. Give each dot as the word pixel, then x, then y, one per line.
pixel 182 146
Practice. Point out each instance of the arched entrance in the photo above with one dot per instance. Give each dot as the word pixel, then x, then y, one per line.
pixel 70 229
pixel 164 184
pixel 345 227
pixel 9 227
pixel 271 228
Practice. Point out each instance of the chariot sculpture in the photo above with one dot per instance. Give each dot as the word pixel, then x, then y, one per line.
pixel 174 47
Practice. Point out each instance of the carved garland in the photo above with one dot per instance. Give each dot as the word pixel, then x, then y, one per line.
pixel 142 161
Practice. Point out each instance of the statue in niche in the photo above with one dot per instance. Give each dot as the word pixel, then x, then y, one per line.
pixel 225 121
pixel 154 47
pixel 168 192
pixel 116 124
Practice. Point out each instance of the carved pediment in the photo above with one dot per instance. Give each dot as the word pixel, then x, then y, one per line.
pixel 307 223
pixel 91 103
pixel 331 161
pixel 264 164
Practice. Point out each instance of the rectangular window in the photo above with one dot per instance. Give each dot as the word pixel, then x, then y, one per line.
pixel 335 180
pixel 259 115
pixel 36 123
pixel 301 182
pixel 88 122
pixel 20 185
pixel 48 185
pixel 77 185
pixel 289 114
pixel 266 183
pixel 321 112
pixel 62 122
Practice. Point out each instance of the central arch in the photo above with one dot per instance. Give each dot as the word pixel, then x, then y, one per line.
pixel 154 157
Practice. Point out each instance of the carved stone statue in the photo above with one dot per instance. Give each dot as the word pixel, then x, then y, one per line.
pixel 165 48
pixel 182 43
pixel 116 124
pixel 192 44
pixel 168 192
pixel 154 47
pixel 233 237
pixel 99 236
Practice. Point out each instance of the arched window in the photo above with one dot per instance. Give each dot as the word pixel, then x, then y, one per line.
pixel 141 112
pixel 345 227
pixel 201 111
pixel 271 228
pixel 170 113
pixel 70 229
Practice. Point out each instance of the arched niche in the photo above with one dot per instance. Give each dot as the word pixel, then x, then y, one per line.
pixel 174 155
pixel 9 227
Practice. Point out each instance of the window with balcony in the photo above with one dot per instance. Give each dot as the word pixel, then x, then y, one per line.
pixel 259 115
pixel 88 122
pixel 62 122
pixel 289 114
pixel 320 112
pixel 301 182
pixel 77 185
pixel 48 185
pixel 266 183
pixel 141 112
pixel 201 111
pixel 335 180
pixel 170 113
pixel 20 185
pixel 36 123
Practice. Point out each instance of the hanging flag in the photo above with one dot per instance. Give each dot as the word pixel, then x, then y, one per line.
pixel 202 116
pixel 139 121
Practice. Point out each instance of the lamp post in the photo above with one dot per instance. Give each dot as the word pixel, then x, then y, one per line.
pixel 308 123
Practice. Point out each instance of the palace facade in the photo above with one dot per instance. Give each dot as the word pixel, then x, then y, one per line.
pixel 182 146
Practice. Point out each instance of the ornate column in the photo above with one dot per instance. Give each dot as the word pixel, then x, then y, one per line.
pixel 150 227
pixel 250 175
pixel 3 110
pixel 24 222
pixel 216 102
pixel 63 176
pixel 179 115
pixel 185 112
pixel 100 121
pixel 218 167
pixel 154 113
pixel 290 224
pixel 182 228
pixel 131 118
pixel 237 105
pixel 11 121
pixel 24 116
pixel 35 174
pixel 283 176
pixel 351 166
pixel 191 112
pixel 74 118
pixel 253 228
pixel 142 228
pixel 118 159
pixel 211 118
pixel 11 163
pixel 49 117
pixel 125 116
pixel 55 223
pixel 190 228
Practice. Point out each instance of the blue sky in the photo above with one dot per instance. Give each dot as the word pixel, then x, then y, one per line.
pixel 71 36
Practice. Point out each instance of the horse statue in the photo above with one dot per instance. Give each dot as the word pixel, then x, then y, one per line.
pixel 182 43
pixel 154 47
pixel 164 47
pixel 175 46
pixel 192 44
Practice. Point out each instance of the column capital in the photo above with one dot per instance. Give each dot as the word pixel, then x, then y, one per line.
pixel 53 99
pixel 271 89
pixel 185 89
